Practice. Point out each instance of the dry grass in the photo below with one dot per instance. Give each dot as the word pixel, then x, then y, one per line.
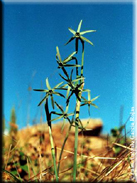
pixel 30 159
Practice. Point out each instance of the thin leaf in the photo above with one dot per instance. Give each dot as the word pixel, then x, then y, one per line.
pixel 69 57
pixel 59 107
pixel 48 115
pixel 84 98
pixel 72 31
pixel 47 84
pixel 58 54
pixel 61 88
pixel 57 118
pixel 53 112
pixel 68 90
pixel 65 72
pixel 71 74
pixel 41 90
pixel 70 114
pixel 94 105
pixel 74 58
pixel 72 65
pixel 83 104
pixel 58 85
pixel 65 86
pixel 84 32
pixel 75 80
pixel 82 127
pixel 69 97
pixel 94 98
pixel 43 100
pixel 59 94
pixel 63 125
pixel 85 39
pixel 77 96
pixel 86 90
pixel 63 77
pixel 70 40
pixel 89 98
pixel 52 101
pixel 79 26
pixel 67 108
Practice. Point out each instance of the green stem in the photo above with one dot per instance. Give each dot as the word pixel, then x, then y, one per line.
pixel 82 62
pixel 48 115
pixel 67 135
pixel 75 153
pixel 53 153
pixel 77 119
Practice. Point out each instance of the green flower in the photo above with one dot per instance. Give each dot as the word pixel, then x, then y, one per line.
pixel 64 114
pixel 78 36
pixel 89 102
pixel 50 92
pixel 64 62
pixel 73 86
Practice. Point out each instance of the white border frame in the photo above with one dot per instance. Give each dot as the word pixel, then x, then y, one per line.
pixel 134 44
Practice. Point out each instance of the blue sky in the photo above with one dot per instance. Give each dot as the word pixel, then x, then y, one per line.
pixel 32 32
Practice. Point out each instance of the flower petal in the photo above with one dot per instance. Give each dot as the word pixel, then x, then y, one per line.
pixel 70 40
pixel 63 77
pixel 85 39
pixel 43 100
pixel 47 84
pixel 84 32
pixel 58 54
pixel 59 94
pixel 94 105
pixel 41 90
pixel 59 107
pixel 57 118
pixel 89 98
pixel 58 85
pixel 79 26
pixel 72 31
pixel 68 90
pixel 69 57
pixel 94 98
pixel 72 65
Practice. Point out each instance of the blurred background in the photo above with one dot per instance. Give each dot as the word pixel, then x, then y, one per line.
pixel 31 33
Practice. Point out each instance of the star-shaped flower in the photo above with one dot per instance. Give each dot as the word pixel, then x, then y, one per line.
pixel 49 92
pixel 65 61
pixel 89 102
pixel 64 114
pixel 73 86
pixel 78 36
pixel 62 64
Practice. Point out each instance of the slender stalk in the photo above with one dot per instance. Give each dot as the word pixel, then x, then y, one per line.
pixel 53 153
pixel 51 138
pixel 82 62
pixel 75 153
pixel 77 119
pixel 67 135
pixel 76 137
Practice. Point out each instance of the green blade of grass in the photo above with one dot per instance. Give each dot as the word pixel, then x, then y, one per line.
pixel 15 178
